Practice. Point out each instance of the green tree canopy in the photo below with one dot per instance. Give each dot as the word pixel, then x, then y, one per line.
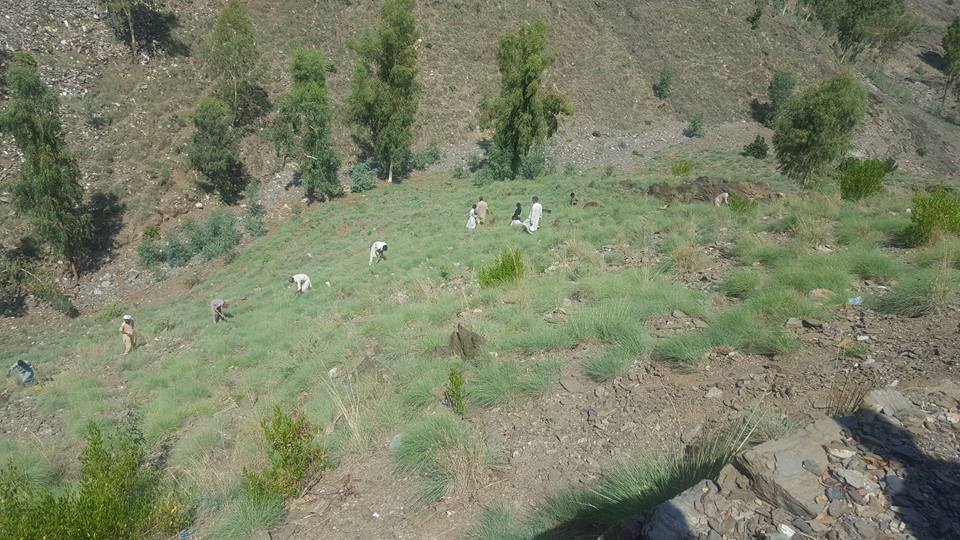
pixel 859 25
pixel 524 114
pixel 214 149
pixel 47 189
pixel 232 56
pixel 951 59
pixel 303 125
pixel 816 128
pixel 385 94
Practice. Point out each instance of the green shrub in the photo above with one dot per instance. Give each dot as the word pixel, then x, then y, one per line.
pixel 456 392
pixel 363 177
pixel 742 205
pixel 754 18
pixel 293 456
pixel 109 312
pixel 474 162
pixel 508 268
pixel 118 495
pixel 936 212
pixel 215 236
pixel 859 179
pixel 870 263
pixel 150 232
pixel 694 127
pixel 426 157
pixel 534 164
pixel 681 167
pixel 742 283
pixel 458 172
pixel 757 149
pixel 664 83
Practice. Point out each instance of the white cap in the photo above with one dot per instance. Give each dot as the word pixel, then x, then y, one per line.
pixel 127 318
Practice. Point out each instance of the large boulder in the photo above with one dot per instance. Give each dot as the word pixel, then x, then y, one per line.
pixel 782 471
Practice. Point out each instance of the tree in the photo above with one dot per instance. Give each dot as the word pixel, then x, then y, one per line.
pixel 524 114
pixel 233 58
pixel 214 150
pixel 122 15
pixel 48 188
pixel 951 59
pixel 859 25
pixel 385 94
pixel 303 125
pixel 815 129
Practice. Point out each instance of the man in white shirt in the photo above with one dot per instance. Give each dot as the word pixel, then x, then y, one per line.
pixel 302 281
pixel 532 223
pixel 378 252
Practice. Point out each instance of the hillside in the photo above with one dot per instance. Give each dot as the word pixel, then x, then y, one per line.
pixel 650 336
pixel 129 121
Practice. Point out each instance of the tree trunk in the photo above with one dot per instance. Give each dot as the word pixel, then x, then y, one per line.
pixel 73 269
pixel 390 172
pixel 133 36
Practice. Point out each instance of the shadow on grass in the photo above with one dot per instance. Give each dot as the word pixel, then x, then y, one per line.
pixel 106 211
pixel 153 30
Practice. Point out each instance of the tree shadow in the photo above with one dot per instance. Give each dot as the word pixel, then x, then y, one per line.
pixel 932 59
pixel 253 104
pixel 761 112
pixel 231 189
pixel 927 499
pixel 106 211
pixel 154 32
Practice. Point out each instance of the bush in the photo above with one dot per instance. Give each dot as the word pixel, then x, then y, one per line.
pixel 757 149
pixel 363 177
pixel 508 268
pixel 118 495
pixel 216 236
pixel 754 18
pixel 694 127
pixel 458 173
pixel 662 87
pixel 474 162
pixel 859 179
pixel 534 164
pixel 920 293
pixel 150 232
pixel 456 392
pixel 742 205
pixel 426 157
pixel 936 212
pixel 681 167
pixel 292 453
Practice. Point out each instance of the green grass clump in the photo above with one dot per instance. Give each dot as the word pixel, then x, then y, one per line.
pixel 249 515
pixel 117 496
pixel 633 489
pixel 742 283
pixel 943 252
pixel 742 205
pixel 508 268
pixel 870 263
pixel 608 365
pixel 109 312
pixel 498 383
pixel 936 212
pixel 443 450
pixel 859 179
pixel 681 167
pixel 920 293
pixel 812 272
pixel 292 453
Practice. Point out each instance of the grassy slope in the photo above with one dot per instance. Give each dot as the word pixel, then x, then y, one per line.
pixel 385 329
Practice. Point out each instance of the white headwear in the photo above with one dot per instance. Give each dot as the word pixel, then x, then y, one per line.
pixel 127 318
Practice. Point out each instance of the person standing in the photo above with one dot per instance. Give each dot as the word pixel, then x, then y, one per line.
pixel 126 333
pixel 216 308
pixel 472 218
pixel 378 252
pixel 573 199
pixel 481 211
pixel 302 281
pixel 532 223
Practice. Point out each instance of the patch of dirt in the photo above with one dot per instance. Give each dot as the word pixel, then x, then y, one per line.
pixel 705 189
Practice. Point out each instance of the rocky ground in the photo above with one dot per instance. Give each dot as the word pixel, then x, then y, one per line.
pixel 890 471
